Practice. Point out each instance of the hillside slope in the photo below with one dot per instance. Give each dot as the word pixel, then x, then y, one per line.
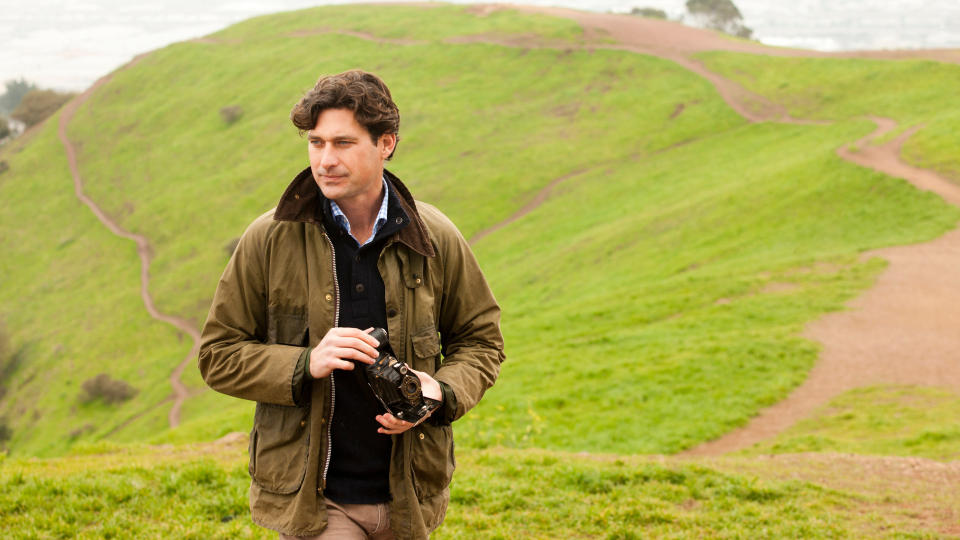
pixel 657 295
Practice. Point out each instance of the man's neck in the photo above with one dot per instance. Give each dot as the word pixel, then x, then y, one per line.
pixel 362 214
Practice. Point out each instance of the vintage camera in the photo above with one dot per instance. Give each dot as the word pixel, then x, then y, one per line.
pixel 395 385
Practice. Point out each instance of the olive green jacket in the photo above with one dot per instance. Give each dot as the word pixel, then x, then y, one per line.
pixel 279 296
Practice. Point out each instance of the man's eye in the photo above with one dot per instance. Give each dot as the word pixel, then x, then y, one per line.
pixel 343 143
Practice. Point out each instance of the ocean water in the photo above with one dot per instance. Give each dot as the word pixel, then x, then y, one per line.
pixel 68 45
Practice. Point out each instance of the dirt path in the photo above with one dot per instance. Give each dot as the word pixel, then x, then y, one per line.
pixel 180 392
pixel 901 331
pixel 668 39
pixel 537 200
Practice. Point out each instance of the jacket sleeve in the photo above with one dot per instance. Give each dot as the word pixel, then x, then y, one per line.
pixel 472 344
pixel 234 356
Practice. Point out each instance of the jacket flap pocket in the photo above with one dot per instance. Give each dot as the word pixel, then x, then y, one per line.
pixel 432 459
pixel 426 344
pixel 286 327
pixel 279 447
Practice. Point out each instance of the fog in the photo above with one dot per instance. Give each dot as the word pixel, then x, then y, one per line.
pixel 68 45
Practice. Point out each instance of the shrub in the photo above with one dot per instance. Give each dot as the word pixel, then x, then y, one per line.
pixel 231 114
pixel 652 13
pixel 107 389
pixel 38 105
pixel 5 432
pixel 80 431
pixel 4 127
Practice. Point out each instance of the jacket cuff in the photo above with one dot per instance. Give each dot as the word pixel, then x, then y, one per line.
pixel 301 378
pixel 444 415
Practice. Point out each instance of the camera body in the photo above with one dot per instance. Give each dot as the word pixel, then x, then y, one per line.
pixel 395 385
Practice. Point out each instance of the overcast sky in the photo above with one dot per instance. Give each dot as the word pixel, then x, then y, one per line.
pixel 68 45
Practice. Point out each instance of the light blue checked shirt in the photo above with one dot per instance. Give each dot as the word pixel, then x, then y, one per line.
pixel 342 220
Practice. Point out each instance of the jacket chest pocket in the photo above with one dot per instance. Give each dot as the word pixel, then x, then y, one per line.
pixel 426 350
pixel 287 326
pixel 279 447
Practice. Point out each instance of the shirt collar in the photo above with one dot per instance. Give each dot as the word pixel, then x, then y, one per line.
pixel 344 223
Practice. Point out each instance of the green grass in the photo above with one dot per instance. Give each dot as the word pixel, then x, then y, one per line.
pixel 885 420
pixel 108 491
pixel 434 23
pixel 909 91
pixel 70 300
pixel 689 276
pixel 508 101
pixel 656 297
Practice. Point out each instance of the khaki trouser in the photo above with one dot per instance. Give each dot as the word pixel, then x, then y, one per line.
pixel 353 522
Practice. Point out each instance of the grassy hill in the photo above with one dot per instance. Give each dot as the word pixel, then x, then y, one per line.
pixel 653 302
pixel 199 491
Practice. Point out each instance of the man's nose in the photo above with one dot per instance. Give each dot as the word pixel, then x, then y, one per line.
pixel 328 158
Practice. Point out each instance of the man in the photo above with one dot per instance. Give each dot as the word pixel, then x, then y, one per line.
pixel 348 249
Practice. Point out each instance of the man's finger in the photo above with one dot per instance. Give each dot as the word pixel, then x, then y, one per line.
pixel 352 354
pixel 389 421
pixel 356 344
pixel 362 335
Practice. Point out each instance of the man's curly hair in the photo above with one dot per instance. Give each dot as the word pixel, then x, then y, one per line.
pixel 363 93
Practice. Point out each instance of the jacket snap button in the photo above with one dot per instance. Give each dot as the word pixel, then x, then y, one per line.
pixel 421 436
pixel 303 423
pixel 418 281
pixel 329 297
pixel 399 220
pixel 391 313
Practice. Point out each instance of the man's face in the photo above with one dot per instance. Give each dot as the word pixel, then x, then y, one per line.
pixel 346 164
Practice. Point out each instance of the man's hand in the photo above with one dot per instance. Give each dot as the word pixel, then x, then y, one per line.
pixel 392 425
pixel 338 347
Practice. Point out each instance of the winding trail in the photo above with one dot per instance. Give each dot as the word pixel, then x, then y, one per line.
pixel 537 200
pixel 144 251
pixel 903 330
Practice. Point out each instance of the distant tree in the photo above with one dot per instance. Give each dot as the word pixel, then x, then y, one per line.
pixel 721 15
pixel 16 89
pixel 38 105
pixel 652 13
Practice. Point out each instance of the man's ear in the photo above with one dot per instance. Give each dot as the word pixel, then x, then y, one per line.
pixel 388 141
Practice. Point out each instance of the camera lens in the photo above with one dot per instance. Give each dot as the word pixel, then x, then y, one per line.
pixel 411 389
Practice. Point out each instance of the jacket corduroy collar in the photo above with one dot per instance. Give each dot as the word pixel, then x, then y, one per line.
pixel 303 201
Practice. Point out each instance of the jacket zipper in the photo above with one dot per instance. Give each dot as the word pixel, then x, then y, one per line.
pixel 333 387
